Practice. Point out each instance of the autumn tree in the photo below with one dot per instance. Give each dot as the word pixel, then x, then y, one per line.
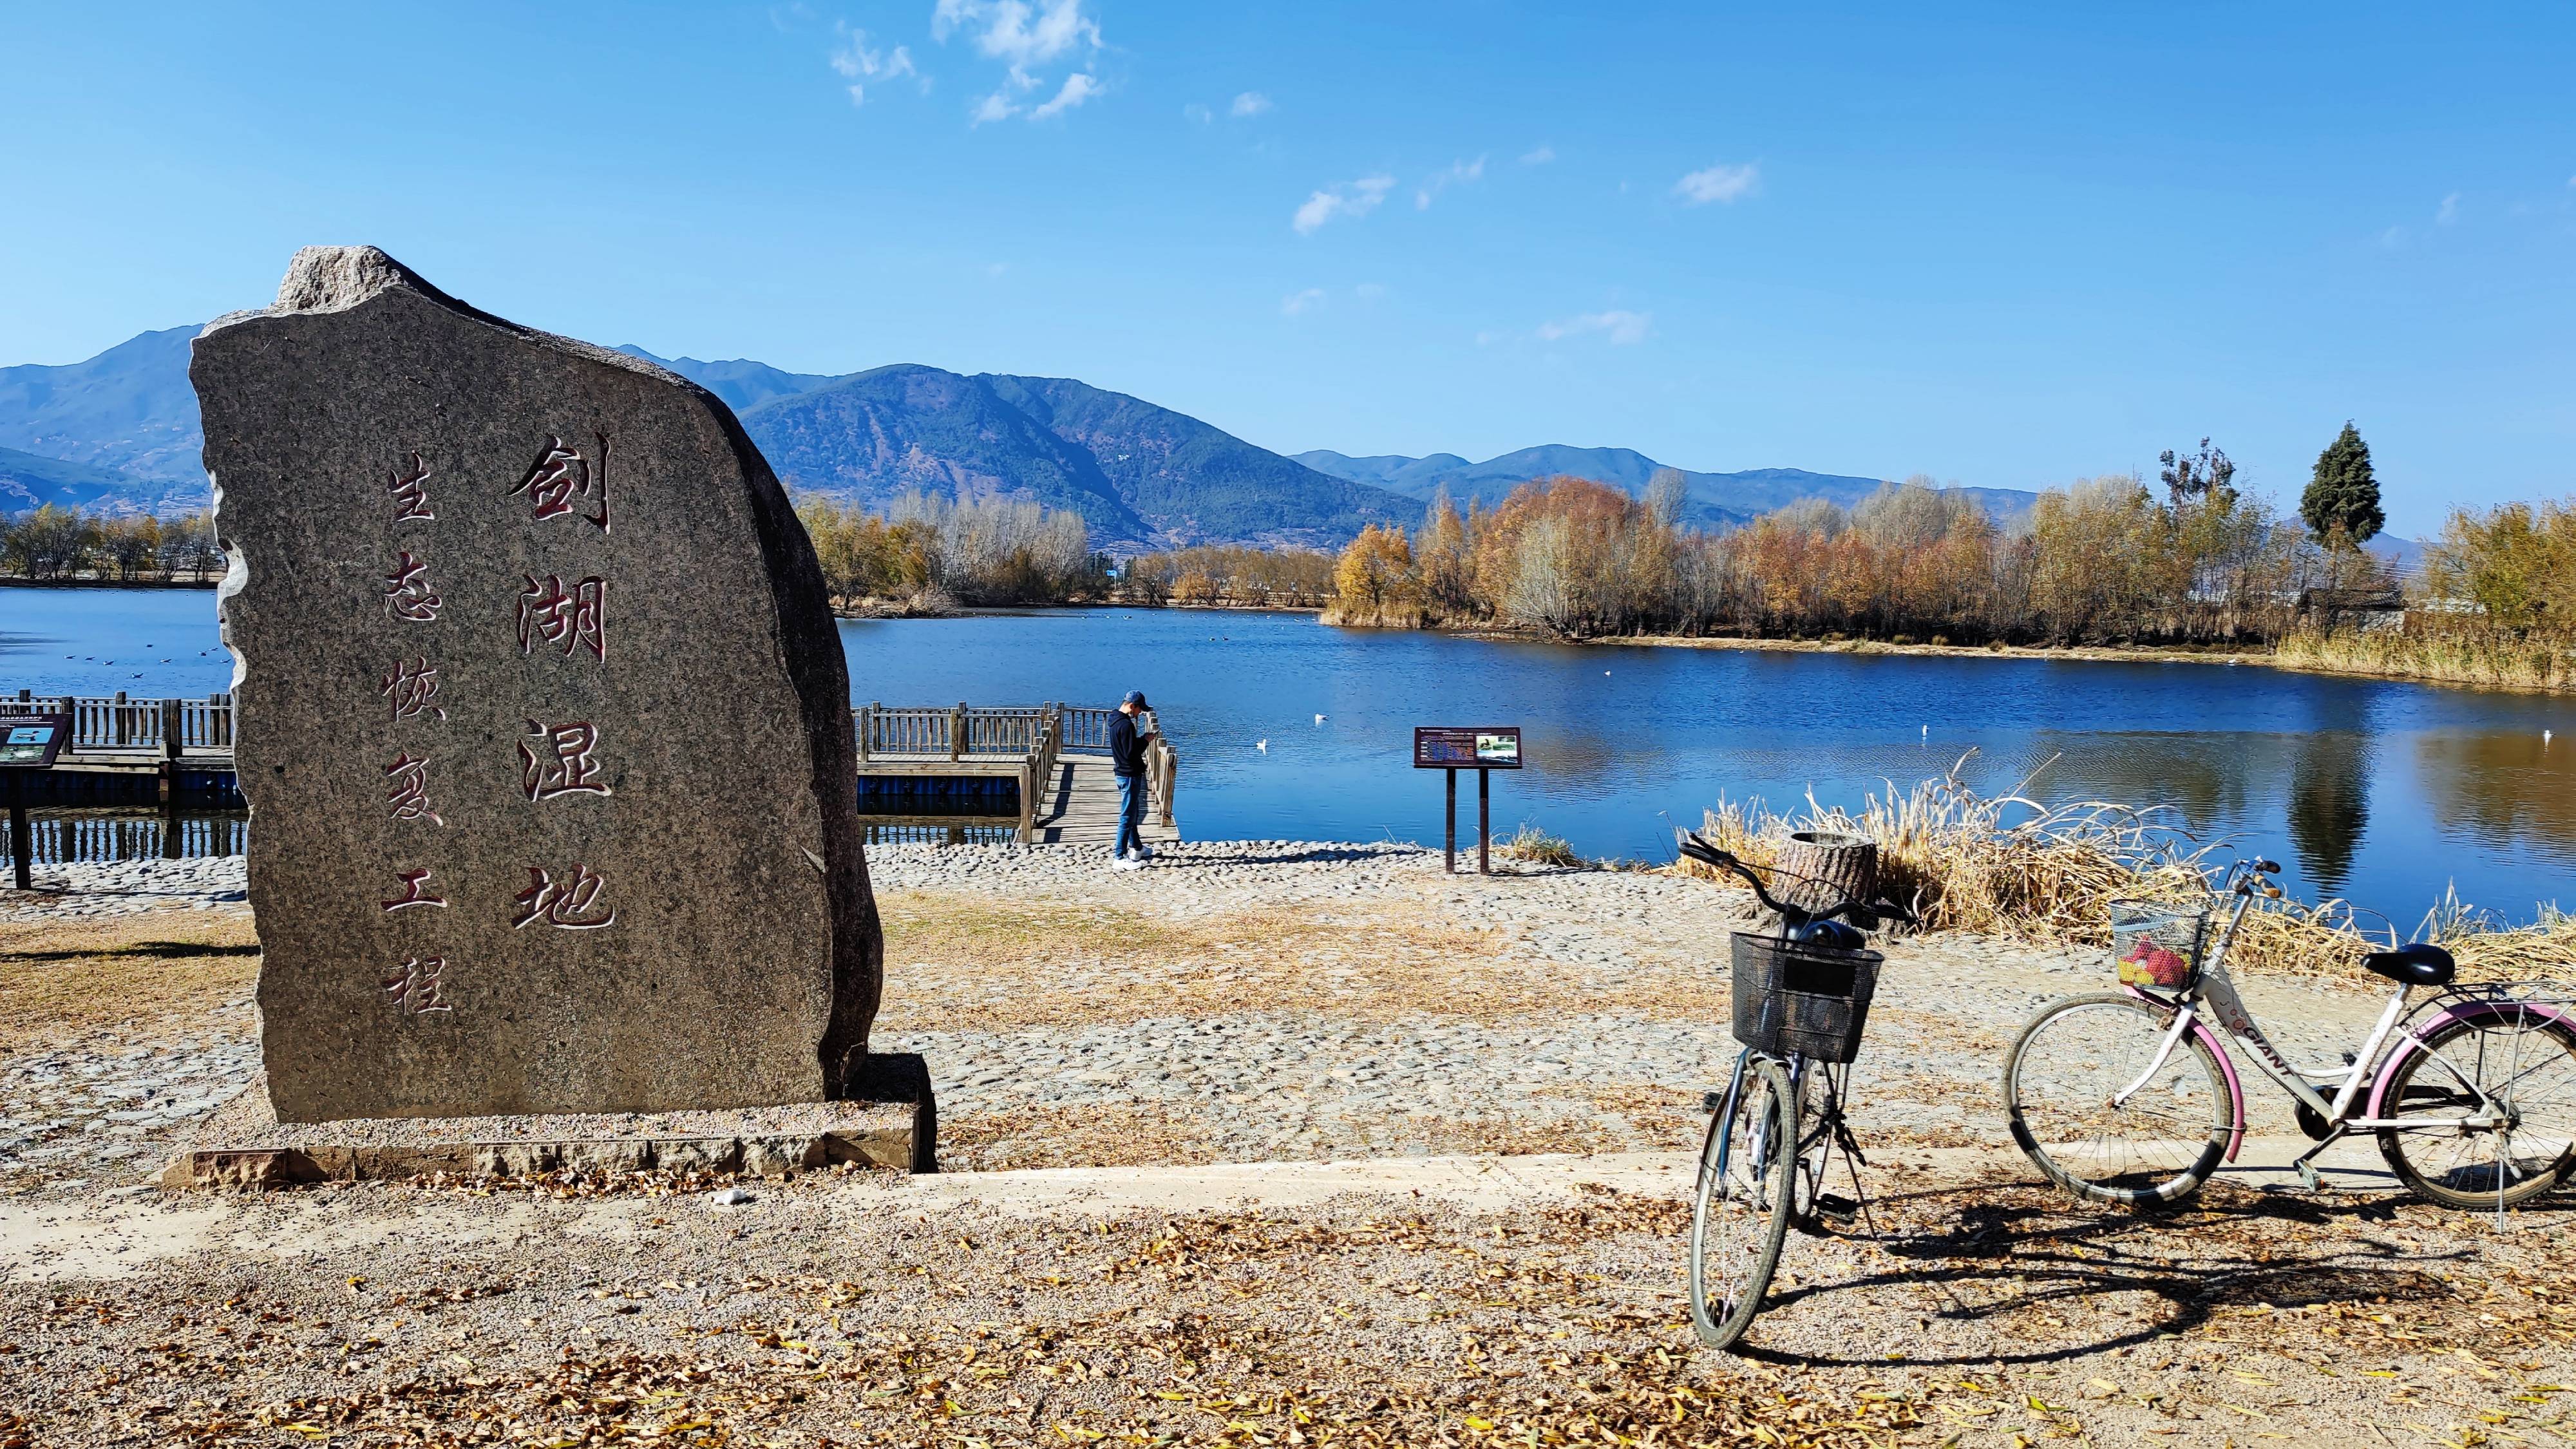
pixel 1374 576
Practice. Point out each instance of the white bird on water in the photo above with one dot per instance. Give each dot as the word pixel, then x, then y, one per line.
pixel 1319 719
pixel 2544 739
pixel 1262 745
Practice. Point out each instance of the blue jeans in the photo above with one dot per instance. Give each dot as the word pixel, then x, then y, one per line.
pixel 1131 813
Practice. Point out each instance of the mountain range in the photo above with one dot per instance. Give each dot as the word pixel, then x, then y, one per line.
pixel 120 432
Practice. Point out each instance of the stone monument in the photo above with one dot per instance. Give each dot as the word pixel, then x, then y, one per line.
pixel 543 720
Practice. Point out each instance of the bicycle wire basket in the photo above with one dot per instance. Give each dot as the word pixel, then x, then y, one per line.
pixel 1794 997
pixel 2159 945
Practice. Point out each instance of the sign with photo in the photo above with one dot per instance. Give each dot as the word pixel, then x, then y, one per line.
pixel 1467 747
pixel 31 741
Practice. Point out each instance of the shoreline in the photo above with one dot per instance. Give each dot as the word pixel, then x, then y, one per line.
pixel 2074 653
pixel 10 582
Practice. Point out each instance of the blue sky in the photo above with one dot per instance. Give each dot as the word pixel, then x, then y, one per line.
pixel 2009 246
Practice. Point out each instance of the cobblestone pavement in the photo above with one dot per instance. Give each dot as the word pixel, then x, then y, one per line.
pixel 1277 1001
pixel 1620 1025
pixel 126 887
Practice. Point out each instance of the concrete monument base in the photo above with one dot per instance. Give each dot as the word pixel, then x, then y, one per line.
pixel 243 1145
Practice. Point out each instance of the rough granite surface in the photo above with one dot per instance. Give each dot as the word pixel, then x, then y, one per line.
pixel 543 719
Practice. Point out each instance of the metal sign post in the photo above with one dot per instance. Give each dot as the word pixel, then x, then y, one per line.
pixel 1481 748
pixel 28 743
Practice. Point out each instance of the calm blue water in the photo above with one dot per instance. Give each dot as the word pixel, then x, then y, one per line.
pixel 2380 792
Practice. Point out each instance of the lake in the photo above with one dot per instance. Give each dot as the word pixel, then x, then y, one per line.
pixel 2381 792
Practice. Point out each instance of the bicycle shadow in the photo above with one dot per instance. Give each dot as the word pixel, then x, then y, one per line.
pixel 1989 1260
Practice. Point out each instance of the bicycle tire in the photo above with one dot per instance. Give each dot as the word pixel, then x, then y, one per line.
pixel 2068 1080
pixel 2448 1186
pixel 1740 1210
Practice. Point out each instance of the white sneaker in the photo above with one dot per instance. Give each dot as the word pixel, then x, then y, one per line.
pixel 1144 851
pixel 1127 862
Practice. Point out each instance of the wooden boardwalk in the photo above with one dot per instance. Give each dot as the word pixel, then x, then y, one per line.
pixel 1057 754
pixel 1080 807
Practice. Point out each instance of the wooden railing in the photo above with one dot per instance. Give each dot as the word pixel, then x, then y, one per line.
pixel 117 725
pixel 1040 736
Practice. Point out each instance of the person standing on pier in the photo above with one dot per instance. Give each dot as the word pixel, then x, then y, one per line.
pixel 1127 759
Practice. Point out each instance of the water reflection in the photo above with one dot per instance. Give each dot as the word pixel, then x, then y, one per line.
pixel 2503 789
pixel 94 837
pixel 2329 806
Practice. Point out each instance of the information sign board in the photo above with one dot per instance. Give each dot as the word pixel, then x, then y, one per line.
pixel 1470 747
pixel 31 741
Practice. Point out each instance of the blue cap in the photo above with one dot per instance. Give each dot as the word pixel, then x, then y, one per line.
pixel 1136 697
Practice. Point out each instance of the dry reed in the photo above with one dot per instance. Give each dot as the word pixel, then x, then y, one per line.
pixel 2005 865
pixel 2494 658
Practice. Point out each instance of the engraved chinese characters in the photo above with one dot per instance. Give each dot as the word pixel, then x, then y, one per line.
pixel 541 715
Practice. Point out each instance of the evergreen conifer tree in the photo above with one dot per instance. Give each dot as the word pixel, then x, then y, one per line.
pixel 2343 496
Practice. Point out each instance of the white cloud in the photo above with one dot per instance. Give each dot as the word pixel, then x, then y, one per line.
pixel 1458 174
pixel 1015 30
pixel 1355 200
pixel 1621 327
pixel 1539 157
pixel 1250 103
pixel 2393 238
pixel 1718 183
pixel 1027 36
pixel 1078 87
pixel 1369 291
pixel 859 65
pixel 2450 211
pixel 1305 301
pixel 1196 114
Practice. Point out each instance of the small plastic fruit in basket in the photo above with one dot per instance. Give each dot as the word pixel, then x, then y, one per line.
pixel 2150 964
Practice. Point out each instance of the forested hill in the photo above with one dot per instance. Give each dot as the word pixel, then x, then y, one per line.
pixel 1138 474
pixel 119 432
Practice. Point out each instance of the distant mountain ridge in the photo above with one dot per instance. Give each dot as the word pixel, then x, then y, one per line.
pixel 1711 500
pixel 119 431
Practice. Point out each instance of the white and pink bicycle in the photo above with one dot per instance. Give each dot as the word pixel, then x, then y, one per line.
pixel 2133 1098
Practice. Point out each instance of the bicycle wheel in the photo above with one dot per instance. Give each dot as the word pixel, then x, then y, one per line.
pixel 2517 1072
pixel 1742 1206
pixel 2154 1146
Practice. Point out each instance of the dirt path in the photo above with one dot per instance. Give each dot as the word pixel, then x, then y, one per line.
pixel 1330 1148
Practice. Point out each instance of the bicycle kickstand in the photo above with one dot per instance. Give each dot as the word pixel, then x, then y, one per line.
pixel 1853 1163
pixel 2306 1165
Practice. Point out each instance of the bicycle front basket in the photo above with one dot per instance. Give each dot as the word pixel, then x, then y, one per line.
pixel 1793 997
pixel 2158 945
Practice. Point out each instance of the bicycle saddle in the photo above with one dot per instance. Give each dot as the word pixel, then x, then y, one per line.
pixel 2416 965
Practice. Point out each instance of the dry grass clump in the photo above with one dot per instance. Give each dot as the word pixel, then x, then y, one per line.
pixel 1537 847
pixel 2053 872
pixel 2496 658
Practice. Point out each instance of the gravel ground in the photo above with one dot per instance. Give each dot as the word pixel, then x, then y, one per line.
pixel 1250 1002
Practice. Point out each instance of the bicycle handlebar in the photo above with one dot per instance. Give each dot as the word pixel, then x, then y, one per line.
pixel 1790 914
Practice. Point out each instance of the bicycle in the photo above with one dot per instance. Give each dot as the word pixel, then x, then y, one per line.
pixel 1802 999
pixel 2132 1097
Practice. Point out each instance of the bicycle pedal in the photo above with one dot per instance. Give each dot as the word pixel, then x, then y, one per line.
pixel 1709 1102
pixel 2308 1176
pixel 1835 1205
